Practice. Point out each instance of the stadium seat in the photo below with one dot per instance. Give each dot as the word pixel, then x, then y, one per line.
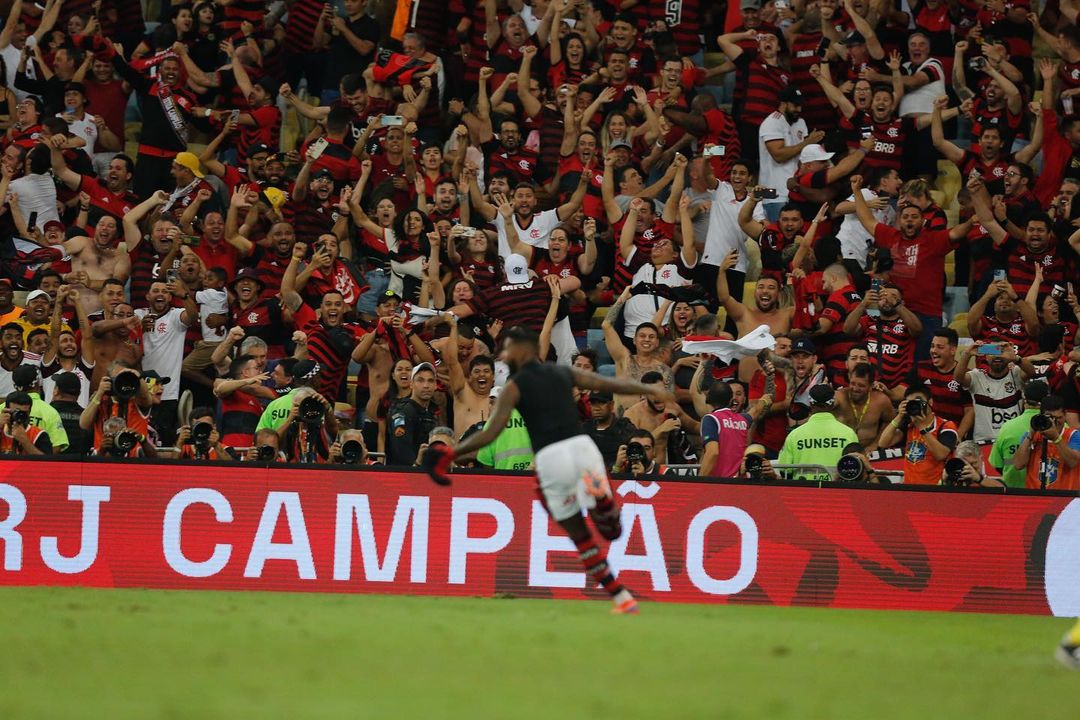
pixel 959 324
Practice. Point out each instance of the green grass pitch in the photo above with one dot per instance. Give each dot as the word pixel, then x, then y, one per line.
pixel 73 653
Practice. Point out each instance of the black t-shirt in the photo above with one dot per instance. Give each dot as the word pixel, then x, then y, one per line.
pixel 343 57
pixel 547 403
pixel 78 439
pixel 610 438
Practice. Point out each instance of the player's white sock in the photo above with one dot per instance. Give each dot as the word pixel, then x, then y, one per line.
pixel 622 596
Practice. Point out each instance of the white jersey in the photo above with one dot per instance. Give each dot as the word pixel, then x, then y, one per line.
pixel 771 173
pixel 536 234
pixel 642 308
pixel 724 233
pixel 855 242
pixel 164 348
pixel 212 302
pixel 996 401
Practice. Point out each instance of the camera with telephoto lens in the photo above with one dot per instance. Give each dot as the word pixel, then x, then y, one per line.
pixel 124 442
pixel 1041 422
pixel 851 468
pixel 954 472
pixel 265 453
pixel 635 453
pixel 20 417
pixel 916 407
pixel 200 434
pixel 125 385
pixel 755 466
pixel 351 452
pixel 311 411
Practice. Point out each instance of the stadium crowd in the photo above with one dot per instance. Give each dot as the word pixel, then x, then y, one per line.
pixel 293 231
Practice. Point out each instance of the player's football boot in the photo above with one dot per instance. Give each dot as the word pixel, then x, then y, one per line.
pixel 1068 655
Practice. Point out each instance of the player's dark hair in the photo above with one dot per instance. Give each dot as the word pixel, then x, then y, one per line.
pixel 351 83
pixel 521 334
pixel 220 273
pixel 719 395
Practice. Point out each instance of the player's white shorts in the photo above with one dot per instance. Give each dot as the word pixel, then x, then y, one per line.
pixel 561 469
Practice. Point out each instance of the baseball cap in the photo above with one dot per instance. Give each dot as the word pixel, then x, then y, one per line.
pixel 601 397
pixel 517 269
pixel 822 395
pixel 274 197
pixel 813 153
pixel 790 94
pixel 54 224
pixel 305 369
pixel 260 148
pixel 750 5
pixel 387 297
pixel 248 273
pixel 323 173
pixel 190 161
pixel 620 143
pixel 26 377
pixel 35 294
pixel 1036 391
pixel 422 366
pixel 67 383
pixel 803 345
pixel 853 38
pixel 152 375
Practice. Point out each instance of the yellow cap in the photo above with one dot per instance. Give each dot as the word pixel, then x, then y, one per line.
pixel 190 161
pixel 275 196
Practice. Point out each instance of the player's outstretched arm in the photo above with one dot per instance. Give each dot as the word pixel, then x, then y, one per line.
pixel 592 381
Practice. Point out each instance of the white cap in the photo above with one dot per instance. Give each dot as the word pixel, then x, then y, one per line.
pixel 517 269
pixel 814 153
pixel 35 294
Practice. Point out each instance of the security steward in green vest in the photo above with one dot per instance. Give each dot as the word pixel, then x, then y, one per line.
pixel 820 440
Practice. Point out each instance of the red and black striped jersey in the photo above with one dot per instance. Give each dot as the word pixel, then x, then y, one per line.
pixel 271 267
pixel 526 304
pixel 1021 266
pixel 237 11
pixel 950 398
pixel 890 138
pixel 331 347
pixel 1013 331
pixel 833 347
pixel 892 347
pixel 264 321
pixel 521 163
pixel 724 133
pixel 240 415
pixel 683 19
pixel 817 111
pixel 763 85
pixel 300 25
pixel 310 218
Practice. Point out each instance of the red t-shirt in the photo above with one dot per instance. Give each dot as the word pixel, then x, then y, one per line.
pixel 918 266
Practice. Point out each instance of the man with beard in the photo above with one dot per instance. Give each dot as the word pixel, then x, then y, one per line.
pixel 996 391
pixel 1014 321
pixel 64 354
pixel 167 109
pixel 310 208
pixel 773 237
pixel 113 197
pixel 647 355
pixel 506 152
pixel 12 356
pixel 116 337
pixel 252 175
pixel 862 407
pixel 164 330
pixel 999 104
pixel 533 228
pixel 260 317
pixel 891 335
pixel 951 401
pixel 1037 246
pixel 765 311
pixel 990 159
pixel 661 419
pixel 326 272
pixel 806 372
pixel 569 467
pixel 330 340
pixel 98 258
pixel 781 138
pixel 472 404
pixel 270 258
pixel 918 254
pixel 410 420
pixel 842 298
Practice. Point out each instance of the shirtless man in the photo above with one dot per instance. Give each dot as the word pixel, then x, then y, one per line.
pixel 766 310
pixel 632 366
pixel 99 259
pixel 863 409
pixel 659 418
pixel 375 352
pixel 472 403
pixel 116 338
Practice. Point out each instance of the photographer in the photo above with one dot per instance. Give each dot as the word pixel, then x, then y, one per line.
pixel 966 468
pixel 439 436
pixel 18 436
pixel 1050 451
pixel 267 448
pixel 349 449
pixel 200 440
pixel 928 440
pixel 854 467
pixel 306 434
pixel 123 394
pixel 756 466
pixel 637 456
pixel 120 441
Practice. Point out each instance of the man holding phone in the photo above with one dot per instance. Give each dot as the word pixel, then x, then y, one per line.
pixel 996 390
